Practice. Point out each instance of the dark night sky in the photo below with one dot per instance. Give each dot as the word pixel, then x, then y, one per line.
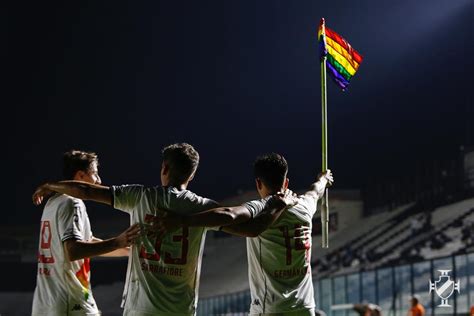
pixel 235 79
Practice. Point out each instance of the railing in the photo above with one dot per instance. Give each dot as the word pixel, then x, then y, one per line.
pixel 389 287
pixel 234 304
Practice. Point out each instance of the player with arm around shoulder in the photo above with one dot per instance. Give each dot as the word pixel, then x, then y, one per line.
pixel 279 250
pixel 279 257
pixel 66 244
pixel 163 273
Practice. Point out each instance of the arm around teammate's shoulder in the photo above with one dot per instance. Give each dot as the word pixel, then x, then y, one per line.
pixel 269 213
pixel 251 228
pixel 220 216
pixel 264 211
pixel 77 189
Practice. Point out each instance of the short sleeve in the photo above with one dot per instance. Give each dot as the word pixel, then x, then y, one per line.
pixel 71 220
pixel 256 207
pixel 309 202
pixel 126 197
pixel 185 202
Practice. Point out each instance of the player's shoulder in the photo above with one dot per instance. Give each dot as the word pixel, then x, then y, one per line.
pixel 128 188
pixel 63 205
pixel 191 196
pixel 188 200
pixel 305 205
pixel 308 200
pixel 138 192
pixel 70 201
pixel 261 202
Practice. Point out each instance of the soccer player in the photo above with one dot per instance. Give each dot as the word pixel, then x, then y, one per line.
pixel 278 256
pixel 66 244
pixel 163 273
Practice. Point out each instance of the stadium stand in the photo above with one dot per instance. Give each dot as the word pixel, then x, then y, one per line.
pixel 399 243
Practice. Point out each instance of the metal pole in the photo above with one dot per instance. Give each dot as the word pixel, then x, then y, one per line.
pixel 394 293
pixel 377 286
pixel 333 292
pixel 346 291
pixel 432 292
pixel 453 260
pixel 468 282
pixel 324 143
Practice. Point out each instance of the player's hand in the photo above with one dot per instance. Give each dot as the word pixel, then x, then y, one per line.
pixel 326 177
pixel 128 237
pixel 41 193
pixel 288 198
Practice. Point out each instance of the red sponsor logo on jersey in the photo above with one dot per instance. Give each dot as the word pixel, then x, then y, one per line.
pixel 44 253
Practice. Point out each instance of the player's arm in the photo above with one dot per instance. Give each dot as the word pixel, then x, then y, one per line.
pixel 121 252
pixel 323 181
pixel 76 249
pixel 255 226
pixel 221 216
pixel 77 189
pixel 263 220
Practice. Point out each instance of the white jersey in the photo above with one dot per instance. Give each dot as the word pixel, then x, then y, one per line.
pixel 62 286
pixel 162 275
pixel 279 261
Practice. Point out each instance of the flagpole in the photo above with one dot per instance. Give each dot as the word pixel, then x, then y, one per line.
pixel 324 143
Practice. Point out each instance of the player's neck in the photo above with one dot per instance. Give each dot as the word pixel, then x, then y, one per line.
pixel 182 186
pixel 265 192
pixel 167 182
pixel 179 186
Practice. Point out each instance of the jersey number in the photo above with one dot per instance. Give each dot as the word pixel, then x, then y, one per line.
pixel 168 259
pixel 44 253
pixel 300 243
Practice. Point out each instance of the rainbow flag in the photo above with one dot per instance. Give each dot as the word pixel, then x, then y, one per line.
pixel 342 60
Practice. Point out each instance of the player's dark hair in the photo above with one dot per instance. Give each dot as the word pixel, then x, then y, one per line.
pixel 271 169
pixel 77 160
pixel 182 160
